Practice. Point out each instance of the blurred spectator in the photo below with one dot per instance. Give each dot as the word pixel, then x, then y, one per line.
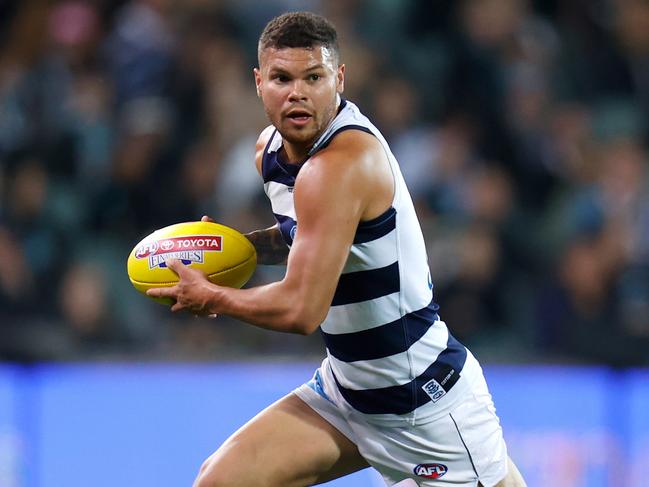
pixel 632 33
pixel 396 111
pixel 88 312
pixel 16 280
pixel 602 231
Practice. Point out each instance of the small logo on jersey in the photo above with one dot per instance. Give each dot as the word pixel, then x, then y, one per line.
pixel 430 281
pixel 430 470
pixel 293 232
pixel 434 390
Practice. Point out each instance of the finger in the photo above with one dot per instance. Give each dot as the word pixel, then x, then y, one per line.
pixel 213 316
pixel 162 292
pixel 175 265
pixel 206 218
pixel 177 307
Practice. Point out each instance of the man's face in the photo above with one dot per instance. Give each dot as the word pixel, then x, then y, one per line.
pixel 298 87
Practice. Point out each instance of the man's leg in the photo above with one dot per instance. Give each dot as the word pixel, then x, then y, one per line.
pixel 513 478
pixel 288 444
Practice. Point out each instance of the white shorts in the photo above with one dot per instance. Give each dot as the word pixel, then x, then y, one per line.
pixel 460 448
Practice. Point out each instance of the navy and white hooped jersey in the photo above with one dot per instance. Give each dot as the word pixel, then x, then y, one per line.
pixel 390 355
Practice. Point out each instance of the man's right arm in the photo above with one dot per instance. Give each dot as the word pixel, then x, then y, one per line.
pixel 270 246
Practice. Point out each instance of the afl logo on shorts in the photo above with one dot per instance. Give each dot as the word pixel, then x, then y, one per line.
pixel 430 470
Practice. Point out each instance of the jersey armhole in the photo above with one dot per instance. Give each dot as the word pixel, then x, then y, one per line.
pixel 264 157
pixel 326 143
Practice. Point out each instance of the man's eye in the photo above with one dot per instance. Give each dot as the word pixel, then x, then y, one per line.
pixel 281 78
pixel 314 77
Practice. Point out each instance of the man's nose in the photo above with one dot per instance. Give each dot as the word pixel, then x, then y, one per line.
pixel 297 91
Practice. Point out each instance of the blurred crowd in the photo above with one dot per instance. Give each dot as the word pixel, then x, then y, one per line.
pixel 522 128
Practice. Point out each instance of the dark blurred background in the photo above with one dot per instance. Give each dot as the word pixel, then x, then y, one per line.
pixel 521 126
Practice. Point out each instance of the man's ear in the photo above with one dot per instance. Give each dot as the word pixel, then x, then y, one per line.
pixel 257 74
pixel 340 81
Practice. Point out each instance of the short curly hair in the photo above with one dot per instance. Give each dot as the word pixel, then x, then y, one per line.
pixel 299 29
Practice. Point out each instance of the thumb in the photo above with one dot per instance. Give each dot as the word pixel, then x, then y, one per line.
pixel 208 219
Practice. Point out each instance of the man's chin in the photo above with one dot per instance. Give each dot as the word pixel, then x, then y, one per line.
pixel 298 137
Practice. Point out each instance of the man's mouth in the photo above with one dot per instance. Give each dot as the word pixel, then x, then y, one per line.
pixel 298 116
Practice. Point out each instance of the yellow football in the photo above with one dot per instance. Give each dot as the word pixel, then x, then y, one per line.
pixel 225 256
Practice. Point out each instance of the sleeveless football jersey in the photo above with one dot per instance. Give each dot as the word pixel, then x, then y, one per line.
pixel 389 353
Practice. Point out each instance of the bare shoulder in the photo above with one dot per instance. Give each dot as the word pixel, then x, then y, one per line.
pixel 262 141
pixel 356 161
pixel 359 146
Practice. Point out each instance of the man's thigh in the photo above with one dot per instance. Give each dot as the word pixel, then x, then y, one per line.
pixel 287 444
pixel 513 478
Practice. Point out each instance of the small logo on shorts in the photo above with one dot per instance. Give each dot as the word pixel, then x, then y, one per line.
pixel 430 470
pixel 434 390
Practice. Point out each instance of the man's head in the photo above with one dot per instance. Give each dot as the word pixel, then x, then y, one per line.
pixel 299 30
pixel 299 76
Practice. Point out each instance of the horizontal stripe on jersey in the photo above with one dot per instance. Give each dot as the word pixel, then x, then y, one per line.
pixel 362 316
pixel 405 398
pixel 282 198
pixel 370 230
pixel 389 371
pixel 279 174
pixel 381 251
pixel 382 341
pixel 354 287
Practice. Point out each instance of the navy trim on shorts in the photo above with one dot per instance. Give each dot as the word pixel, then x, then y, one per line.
pixel 407 397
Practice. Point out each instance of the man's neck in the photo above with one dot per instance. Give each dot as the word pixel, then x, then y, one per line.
pixel 294 155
